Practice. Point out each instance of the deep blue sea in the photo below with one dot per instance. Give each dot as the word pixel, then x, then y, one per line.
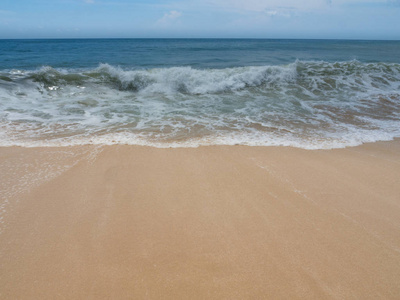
pixel 312 94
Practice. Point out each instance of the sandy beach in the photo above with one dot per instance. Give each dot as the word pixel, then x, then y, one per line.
pixel 217 222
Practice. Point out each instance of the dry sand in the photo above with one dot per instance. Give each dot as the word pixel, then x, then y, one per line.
pixel 234 222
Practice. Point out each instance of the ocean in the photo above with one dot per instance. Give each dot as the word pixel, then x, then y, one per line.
pixel 311 94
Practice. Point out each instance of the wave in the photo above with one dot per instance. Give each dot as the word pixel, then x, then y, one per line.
pixel 185 80
pixel 309 75
pixel 306 104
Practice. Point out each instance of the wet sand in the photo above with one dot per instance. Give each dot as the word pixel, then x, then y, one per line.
pixel 224 222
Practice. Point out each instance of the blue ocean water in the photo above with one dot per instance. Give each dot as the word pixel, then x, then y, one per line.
pixel 196 53
pixel 187 92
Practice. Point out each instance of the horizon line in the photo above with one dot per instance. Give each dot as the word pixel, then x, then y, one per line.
pixel 198 38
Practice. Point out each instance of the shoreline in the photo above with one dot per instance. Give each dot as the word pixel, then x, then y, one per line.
pixel 191 144
pixel 219 222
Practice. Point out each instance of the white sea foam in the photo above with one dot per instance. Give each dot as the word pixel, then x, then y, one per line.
pixel 311 105
pixel 187 80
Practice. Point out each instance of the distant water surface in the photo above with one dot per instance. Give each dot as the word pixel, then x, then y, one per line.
pixel 311 94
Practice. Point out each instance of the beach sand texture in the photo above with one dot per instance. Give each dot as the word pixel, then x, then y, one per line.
pixel 218 222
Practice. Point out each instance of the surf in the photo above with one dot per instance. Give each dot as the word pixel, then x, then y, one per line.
pixel 306 104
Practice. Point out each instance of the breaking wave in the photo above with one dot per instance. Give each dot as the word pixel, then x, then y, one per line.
pixel 307 104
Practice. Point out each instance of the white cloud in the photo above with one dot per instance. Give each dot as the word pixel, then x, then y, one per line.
pixel 284 6
pixel 273 13
pixel 169 18
pixel 271 5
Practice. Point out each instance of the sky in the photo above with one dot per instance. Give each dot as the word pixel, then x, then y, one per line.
pixel 315 19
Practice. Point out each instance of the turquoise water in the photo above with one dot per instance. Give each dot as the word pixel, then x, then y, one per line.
pixel 311 94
